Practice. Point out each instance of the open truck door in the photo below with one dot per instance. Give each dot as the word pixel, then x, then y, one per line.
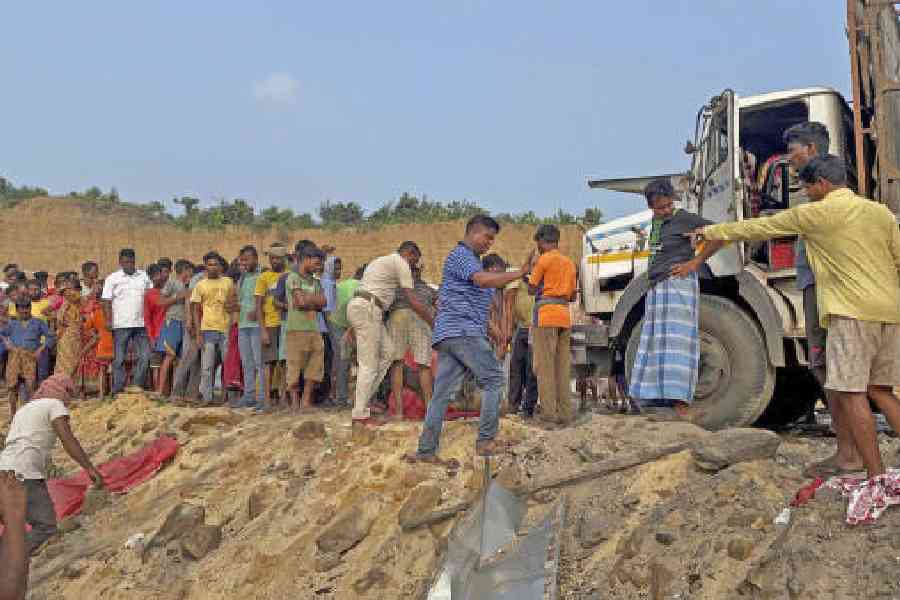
pixel 715 174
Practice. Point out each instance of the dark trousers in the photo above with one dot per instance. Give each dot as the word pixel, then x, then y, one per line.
pixel 39 513
pixel 323 388
pixel 523 387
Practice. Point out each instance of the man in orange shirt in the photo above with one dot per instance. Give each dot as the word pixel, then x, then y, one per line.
pixel 552 282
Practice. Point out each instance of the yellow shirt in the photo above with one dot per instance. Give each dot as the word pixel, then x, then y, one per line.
pixel 211 294
pixel 37 309
pixel 265 286
pixel 523 303
pixel 853 247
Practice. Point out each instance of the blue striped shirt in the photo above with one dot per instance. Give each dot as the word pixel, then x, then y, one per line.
pixel 462 306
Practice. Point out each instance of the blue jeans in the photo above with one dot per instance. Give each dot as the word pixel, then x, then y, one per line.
pixel 212 353
pixel 455 357
pixel 141 343
pixel 252 365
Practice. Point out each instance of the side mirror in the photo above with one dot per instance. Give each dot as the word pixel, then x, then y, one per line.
pixel 689 147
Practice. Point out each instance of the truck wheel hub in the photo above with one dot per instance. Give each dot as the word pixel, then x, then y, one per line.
pixel 715 367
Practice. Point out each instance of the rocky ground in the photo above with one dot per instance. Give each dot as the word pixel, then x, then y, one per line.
pixel 278 507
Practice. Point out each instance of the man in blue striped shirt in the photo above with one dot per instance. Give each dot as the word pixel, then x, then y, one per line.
pixel 460 337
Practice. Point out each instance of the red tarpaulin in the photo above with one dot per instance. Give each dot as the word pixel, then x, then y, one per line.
pixel 120 475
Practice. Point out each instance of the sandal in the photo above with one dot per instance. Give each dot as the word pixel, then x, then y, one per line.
pixel 369 422
pixel 431 459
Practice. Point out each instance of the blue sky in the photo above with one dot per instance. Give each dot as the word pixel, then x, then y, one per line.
pixel 508 104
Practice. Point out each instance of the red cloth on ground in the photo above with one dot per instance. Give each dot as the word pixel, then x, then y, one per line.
pixel 120 475
pixel 413 406
pixel 232 372
pixel 154 315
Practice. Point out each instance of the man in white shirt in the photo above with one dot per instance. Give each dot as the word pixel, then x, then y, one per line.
pixel 123 305
pixel 32 436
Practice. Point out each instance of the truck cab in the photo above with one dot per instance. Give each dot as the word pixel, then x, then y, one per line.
pixel 753 352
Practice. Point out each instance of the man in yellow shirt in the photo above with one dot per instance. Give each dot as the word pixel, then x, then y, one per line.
pixel 853 247
pixel 266 284
pixel 211 295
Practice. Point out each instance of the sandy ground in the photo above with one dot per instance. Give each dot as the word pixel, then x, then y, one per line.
pixel 664 530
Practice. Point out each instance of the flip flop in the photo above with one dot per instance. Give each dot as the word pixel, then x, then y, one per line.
pixel 491 447
pixel 827 468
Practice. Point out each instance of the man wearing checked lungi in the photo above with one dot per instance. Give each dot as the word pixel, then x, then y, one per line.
pixel 665 369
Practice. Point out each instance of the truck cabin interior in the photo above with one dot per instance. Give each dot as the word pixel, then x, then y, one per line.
pixel 769 183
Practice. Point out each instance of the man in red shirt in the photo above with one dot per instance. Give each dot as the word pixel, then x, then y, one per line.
pixel 154 316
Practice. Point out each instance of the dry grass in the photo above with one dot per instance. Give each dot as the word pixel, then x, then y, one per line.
pixel 58 234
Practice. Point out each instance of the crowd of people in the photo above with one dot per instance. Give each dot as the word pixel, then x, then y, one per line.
pixel 281 338
pixel 285 336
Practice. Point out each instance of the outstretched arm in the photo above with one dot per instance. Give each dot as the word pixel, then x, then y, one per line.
pixel 691 266
pixel 73 448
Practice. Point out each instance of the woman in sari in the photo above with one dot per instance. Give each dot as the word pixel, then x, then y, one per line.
pixel 97 340
pixel 68 330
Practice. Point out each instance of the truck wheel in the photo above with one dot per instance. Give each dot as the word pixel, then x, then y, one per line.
pixel 735 381
pixel 796 391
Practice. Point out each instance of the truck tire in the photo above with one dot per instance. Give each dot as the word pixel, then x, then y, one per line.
pixel 736 379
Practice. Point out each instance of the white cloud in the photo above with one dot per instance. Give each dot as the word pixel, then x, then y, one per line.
pixel 276 89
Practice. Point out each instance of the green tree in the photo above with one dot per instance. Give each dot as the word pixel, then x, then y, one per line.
pixel 341 214
pixel 592 217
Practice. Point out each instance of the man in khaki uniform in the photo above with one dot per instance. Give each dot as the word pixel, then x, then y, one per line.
pixel 381 281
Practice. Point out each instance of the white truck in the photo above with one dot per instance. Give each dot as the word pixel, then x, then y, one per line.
pixel 753 353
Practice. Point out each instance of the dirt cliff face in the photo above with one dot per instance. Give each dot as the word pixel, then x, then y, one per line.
pixel 274 507
pixel 72 232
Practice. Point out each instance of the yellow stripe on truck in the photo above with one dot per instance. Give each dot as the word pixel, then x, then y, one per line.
pixel 596 259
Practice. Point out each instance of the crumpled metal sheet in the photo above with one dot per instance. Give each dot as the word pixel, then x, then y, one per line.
pixel 487 561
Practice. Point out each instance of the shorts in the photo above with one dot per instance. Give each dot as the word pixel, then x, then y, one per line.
pixel 816 335
pixel 270 352
pixel 409 332
pixel 170 338
pixel 862 353
pixel 305 354
pixel 20 363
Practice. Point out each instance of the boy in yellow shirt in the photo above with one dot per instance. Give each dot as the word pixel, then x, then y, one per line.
pixel 208 306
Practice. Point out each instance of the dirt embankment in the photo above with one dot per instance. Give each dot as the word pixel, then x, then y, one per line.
pixel 269 507
pixel 62 233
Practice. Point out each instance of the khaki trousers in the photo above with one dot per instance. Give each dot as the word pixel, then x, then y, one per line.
pixel 374 351
pixel 551 359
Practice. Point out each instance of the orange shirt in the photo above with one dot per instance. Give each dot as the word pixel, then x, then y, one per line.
pixel 557 274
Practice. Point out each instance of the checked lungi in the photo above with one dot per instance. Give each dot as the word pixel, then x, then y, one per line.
pixel 666 364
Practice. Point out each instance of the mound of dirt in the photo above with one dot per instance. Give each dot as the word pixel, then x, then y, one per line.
pixel 271 507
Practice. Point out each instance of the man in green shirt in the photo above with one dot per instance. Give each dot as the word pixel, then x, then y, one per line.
pixel 250 334
pixel 305 349
pixel 340 324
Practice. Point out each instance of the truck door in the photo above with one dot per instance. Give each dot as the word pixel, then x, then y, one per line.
pixel 715 172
